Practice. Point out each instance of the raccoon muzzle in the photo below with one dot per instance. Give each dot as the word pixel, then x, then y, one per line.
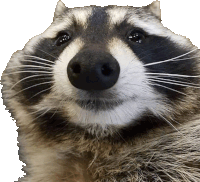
pixel 93 70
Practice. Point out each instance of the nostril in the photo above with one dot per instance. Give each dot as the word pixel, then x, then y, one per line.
pixel 76 68
pixel 90 70
pixel 106 70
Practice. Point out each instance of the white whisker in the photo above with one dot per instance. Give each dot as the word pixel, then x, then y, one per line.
pixel 36 111
pixel 118 133
pixel 181 134
pixel 38 62
pixel 41 92
pixel 28 77
pixel 42 114
pixel 172 83
pixel 30 66
pixel 169 122
pixel 167 88
pixel 34 86
pixel 16 72
pixel 47 53
pixel 182 59
pixel 42 78
pixel 36 57
pixel 153 48
pixel 173 75
pixel 175 79
pixel 189 84
pixel 172 59
pixel 59 105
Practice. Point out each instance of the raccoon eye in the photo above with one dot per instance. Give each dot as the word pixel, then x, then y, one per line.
pixel 62 38
pixel 136 36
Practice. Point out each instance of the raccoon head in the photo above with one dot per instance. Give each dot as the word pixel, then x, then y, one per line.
pixel 102 70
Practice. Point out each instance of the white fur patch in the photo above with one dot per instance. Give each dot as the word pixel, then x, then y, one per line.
pixel 121 115
pixel 132 76
pixel 81 15
pixel 54 28
pixel 29 47
pixel 133 82
pixel 62 83
pixel 116 15
pixel 132 87
pixel 153 27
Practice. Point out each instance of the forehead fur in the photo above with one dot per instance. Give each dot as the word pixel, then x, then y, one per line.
pixel 109 15
pixel 114 14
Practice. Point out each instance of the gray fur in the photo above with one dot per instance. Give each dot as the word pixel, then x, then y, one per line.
pixel 162 154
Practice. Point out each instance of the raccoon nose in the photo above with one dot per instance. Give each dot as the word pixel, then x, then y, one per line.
pixel 91 70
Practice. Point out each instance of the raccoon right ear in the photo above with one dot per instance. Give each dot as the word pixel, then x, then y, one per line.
pixel 60 8
pixel 155 8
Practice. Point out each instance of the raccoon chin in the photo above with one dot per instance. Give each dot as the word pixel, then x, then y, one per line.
pixel 98 104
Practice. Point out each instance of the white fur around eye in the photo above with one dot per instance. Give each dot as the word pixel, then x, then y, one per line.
pixel 132 71
pixel 116 15
pixel 62 83
pixel 132 87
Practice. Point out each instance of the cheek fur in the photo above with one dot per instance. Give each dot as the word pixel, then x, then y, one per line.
pixel 138 96
pixel 132 75
pixel 62 83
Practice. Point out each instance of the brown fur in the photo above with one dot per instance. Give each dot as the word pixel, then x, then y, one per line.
pixel 163 154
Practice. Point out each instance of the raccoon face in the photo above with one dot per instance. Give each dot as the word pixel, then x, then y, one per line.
pixel 104 67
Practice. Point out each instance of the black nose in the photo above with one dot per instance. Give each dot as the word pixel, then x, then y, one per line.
pixel 93 70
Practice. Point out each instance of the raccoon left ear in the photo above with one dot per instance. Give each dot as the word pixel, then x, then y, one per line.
pixel 60 8
pixel 155 8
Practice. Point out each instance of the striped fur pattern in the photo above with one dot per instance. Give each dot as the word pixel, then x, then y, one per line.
pixel 146 127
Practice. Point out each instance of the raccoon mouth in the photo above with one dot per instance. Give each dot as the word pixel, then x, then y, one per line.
pixel 98 105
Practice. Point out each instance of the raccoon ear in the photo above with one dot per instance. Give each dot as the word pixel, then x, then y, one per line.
pixel 155 8
pixel 60 8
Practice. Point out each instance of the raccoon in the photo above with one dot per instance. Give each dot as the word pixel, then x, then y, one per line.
pixel 106 94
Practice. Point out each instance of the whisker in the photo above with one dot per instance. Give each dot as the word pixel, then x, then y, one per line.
pixel 160 45
pixel 188 58
pixel 169 123
pixel 176 121
pixel 42 78
pixel 155 84
pixel 33 87
pixel 42 114
pixel 47 53
pixel 173 75
pixel 41 92
pixel 175 79
pixel 181 134
pixel 59 105
pixel 172 83
pixel 36 111
pixel 151 52
pixel 30 66
pixel 16 72
pixel 186 82
pixel 39 59
pixel 172 59
pixel 115 131
pixel 37 62
pixel 32 76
